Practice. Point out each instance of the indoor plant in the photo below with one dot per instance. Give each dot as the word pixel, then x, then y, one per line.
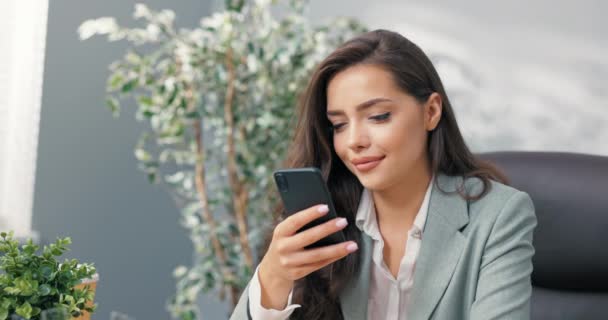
pixel 31 283
pixel 219 99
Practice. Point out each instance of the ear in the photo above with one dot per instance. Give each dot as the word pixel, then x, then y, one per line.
pixel 432 111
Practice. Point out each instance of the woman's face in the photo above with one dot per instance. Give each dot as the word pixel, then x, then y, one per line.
pixel 380 131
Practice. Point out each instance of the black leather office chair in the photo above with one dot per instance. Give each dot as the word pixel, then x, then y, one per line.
pixel 570 194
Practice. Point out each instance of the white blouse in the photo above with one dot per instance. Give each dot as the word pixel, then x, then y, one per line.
pixel 388 296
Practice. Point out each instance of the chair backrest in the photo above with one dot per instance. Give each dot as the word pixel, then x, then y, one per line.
pixel 570 195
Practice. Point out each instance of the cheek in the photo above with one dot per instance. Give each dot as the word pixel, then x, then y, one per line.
pixel 401 137
pixel 342 150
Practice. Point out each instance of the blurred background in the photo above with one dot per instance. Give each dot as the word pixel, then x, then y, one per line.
pixel 522 75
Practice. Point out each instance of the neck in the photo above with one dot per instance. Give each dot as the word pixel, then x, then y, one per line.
pixel 398 205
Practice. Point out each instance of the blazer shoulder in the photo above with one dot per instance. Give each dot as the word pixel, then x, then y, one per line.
pixel 500 199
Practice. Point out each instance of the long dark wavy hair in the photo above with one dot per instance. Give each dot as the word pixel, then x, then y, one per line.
pixel 313 146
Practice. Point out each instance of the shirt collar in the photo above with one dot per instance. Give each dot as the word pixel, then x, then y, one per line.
pixel 366 221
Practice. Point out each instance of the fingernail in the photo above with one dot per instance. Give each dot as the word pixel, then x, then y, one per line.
pixel 341 222
pixel 351 247
pixel 323 209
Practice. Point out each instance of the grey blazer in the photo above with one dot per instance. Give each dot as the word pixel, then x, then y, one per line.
pixel 475 260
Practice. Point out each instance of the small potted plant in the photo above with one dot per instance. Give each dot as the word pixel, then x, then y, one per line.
pixel 32 282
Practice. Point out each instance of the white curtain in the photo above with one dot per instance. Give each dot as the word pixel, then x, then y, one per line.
pixel 22 46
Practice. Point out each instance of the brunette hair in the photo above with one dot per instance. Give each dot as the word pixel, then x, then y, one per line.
pixel 414 73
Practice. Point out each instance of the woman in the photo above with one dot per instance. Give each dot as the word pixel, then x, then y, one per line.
pixel 432 232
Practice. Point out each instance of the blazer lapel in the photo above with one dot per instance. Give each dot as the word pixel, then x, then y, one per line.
pixel 353 299
pixel 442 245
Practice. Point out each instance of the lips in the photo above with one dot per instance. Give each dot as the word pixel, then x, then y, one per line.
pixel 366 163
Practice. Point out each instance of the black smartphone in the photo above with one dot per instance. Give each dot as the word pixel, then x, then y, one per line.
pixel 302 188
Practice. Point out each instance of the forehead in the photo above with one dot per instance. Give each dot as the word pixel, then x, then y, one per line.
pixel 360 83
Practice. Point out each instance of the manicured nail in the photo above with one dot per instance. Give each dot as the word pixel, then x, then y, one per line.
pixel 341 223
pixel 351 247
pixel 323 209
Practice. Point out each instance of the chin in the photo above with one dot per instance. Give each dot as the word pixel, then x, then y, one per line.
pixel 375 181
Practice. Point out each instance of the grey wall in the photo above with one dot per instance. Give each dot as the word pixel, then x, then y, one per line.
pixel 87 184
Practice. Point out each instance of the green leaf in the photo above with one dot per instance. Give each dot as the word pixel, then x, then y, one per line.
pixel 6 302
pixel 234 5
pixel 192 115
pixel 143 155
pixel 133 57
pixel 36 311
pixel 128 86
pixel 56 251
pixel 26 286
pixel 24 310
pixel 145 100
pixel 115 81
pixel 172 96
pixel 152 177
pixel 44 290
pixel 46 270
pixel 187 315
pixel 147 113
pixel 12 290
pixel 114 106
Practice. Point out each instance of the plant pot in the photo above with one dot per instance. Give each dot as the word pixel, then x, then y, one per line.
pixel 92 283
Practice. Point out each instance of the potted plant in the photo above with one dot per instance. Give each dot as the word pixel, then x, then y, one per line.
pixel 32 282
pixel 219 101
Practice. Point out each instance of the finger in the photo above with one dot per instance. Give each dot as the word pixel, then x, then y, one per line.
pixel 312 267
pixel 296 221
pixel 314 234
pixel 319 265
pixel 314 256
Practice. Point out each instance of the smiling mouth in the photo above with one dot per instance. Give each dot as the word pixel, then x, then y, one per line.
pixel 364 166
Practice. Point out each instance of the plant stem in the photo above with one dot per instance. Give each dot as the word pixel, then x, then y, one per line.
pixel 205 210
pixel 239 189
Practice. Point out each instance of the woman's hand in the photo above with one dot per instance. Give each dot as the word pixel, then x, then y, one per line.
pixel 286 259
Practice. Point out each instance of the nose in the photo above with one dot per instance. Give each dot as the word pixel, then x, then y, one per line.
pixel 358 137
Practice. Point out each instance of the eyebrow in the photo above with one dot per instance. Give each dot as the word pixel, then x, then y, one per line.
pixel 360 106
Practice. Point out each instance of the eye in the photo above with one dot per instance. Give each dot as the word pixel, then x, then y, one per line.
pixel 381 117
pixel 337 126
